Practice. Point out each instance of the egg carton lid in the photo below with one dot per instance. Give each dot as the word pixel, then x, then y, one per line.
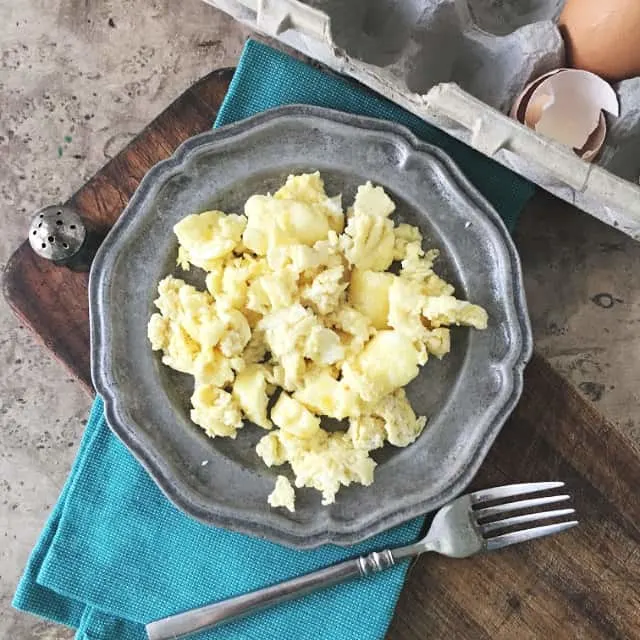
pixel 456 64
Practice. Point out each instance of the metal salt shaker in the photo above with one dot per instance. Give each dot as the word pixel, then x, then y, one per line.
pixel 59 234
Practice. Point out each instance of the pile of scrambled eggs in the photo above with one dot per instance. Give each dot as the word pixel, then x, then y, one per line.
pixel 300 304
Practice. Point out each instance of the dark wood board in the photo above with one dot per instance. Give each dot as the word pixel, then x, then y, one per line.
pixel 582 584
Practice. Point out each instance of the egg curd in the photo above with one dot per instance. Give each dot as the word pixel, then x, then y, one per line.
pixel 302 319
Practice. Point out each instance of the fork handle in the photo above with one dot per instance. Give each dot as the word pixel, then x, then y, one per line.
pixel 184 624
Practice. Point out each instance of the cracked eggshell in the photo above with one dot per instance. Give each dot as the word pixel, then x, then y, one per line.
pixel 589 152
pixel 567 105
pixel 520 104
pixel 573 101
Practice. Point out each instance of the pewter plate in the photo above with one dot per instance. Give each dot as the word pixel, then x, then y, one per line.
pixel 467 396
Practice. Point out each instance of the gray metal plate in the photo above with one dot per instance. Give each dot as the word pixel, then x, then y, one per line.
pixel 467 396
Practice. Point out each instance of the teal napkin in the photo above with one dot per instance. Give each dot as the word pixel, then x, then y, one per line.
pixel 116 554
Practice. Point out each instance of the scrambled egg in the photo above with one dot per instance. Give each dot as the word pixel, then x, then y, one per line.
pixel 283 495
pixel 300 313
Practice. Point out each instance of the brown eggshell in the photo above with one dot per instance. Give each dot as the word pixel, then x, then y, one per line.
pixel 603 36
pixel 529 113
pixel 593 145
pixel 520 105
pixel 534 110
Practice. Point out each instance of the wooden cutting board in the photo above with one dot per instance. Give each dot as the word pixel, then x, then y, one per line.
pixel 581 584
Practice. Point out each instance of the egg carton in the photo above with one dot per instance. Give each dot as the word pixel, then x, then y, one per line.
pixel 459 64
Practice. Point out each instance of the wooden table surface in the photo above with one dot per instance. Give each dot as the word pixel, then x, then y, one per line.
pixel 581 584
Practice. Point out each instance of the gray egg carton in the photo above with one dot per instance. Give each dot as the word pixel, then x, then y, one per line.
pixel 459 64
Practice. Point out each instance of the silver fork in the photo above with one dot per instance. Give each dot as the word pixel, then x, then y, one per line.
pixel 460 529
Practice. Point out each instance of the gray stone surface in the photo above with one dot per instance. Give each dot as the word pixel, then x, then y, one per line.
pixel 583 287
pixel 581 276
pixel 78 80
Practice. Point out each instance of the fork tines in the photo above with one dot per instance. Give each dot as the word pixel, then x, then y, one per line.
pixel 489 519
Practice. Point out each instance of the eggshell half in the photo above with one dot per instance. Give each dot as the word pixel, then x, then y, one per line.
pixel 571 103
pixel 592 97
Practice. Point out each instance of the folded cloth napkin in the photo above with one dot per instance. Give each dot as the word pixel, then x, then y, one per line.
pixel 116 554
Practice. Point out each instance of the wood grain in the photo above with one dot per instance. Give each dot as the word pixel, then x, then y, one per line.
pixel 582 584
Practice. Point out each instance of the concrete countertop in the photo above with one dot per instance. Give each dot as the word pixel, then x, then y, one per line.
pixel 78 80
